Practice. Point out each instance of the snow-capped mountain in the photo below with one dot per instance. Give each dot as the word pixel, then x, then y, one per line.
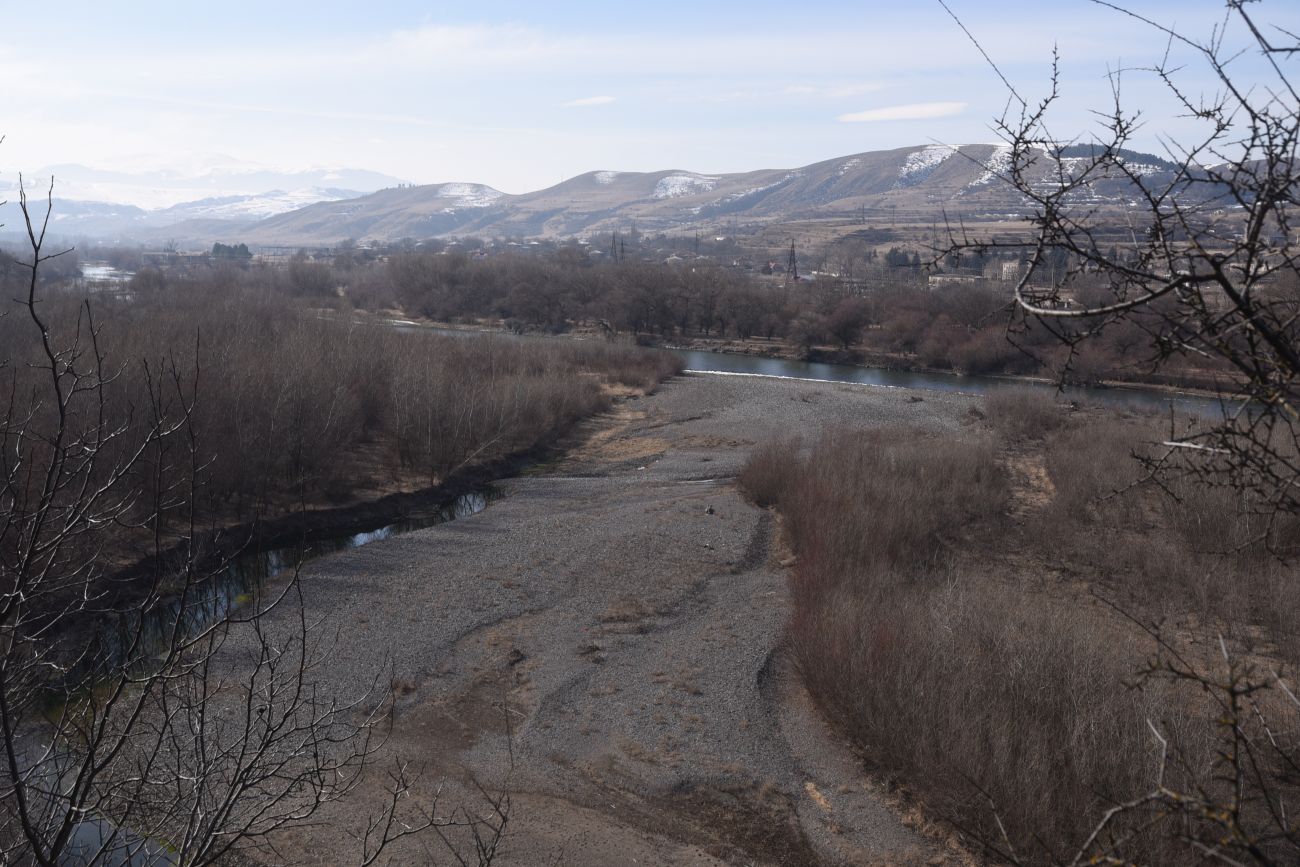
pixel 211 196
pixel 919 183
pixel 255 207
pixel 214 177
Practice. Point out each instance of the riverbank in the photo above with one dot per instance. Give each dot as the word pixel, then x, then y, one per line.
pixel 875 360
pixel 293 529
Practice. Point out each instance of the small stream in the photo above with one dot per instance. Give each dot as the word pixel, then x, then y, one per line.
pixel 249 572
pixel 98 840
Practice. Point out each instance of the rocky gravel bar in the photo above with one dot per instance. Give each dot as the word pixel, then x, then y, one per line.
pixel 604 643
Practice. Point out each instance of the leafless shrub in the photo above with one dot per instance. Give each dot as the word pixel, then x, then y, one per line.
pixel 1020 414
pixel 770 470
pixel 888 501
pixel 1181 548
pixel 1004 709
pixel 1238 812
pixel 1092 467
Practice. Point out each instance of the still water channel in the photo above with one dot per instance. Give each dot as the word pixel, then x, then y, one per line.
pixel 243 577
pixel 702 361
pixel 1123 398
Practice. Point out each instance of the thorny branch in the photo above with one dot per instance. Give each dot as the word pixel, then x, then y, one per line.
pixel 1197 253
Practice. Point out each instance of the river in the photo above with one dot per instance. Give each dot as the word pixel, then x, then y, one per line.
pixel 241 579
pixel 1134 397
pixel 244 576
pixel 247 574
pixel 103 272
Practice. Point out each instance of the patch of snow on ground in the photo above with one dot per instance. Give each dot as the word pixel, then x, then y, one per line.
pixel 249 207
pixel 470 195
pixel 606 177
pixel 997 165
pixel 849 165
pixel 1074 166
pixel 752 191
pixel 684 185
pixel 1143 169
pixel 919 165
pixel 270 204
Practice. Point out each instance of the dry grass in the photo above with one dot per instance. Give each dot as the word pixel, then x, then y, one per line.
pixel 1197 554
pixel 974 691
pixel 1020 414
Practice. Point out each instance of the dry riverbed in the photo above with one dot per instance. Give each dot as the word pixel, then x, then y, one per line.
pixel 604 643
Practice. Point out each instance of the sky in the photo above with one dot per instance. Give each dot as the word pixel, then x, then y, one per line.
pixel 520 95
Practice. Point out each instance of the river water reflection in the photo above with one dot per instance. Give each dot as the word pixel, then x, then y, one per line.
pixel 1130 398
pixel 703 361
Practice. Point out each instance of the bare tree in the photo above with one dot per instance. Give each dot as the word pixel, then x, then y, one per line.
pixel 148 720
pixel 1197 250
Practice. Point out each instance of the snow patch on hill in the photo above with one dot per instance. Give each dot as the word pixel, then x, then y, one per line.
pixel 752 191
pixel 606 177
pixel 1143 169
pixel 470 195
pixel 242 207
pixel 684 185
pixel 848 166
pixel 996 166
pixel 265 205
pixel 920 164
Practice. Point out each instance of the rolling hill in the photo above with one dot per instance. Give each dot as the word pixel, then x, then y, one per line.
pixel 907 185
pixel 915 183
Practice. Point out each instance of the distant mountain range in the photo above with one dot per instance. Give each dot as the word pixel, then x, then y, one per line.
pixel 208 177
pixel 906 184
pixel 213 196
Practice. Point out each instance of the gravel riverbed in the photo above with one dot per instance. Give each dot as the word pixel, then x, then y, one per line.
pixel 604 643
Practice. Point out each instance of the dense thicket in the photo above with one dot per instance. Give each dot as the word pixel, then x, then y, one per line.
pixel 293 405
pixel 884 314
pixel 876 312
pixel 946 616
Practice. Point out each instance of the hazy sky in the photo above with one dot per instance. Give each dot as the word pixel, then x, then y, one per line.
pixel 520 95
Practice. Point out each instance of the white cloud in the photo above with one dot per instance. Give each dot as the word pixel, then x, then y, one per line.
pixel 587 101
pixel 450 101
pixel 834 91
pixel 912 111
pixel 854 89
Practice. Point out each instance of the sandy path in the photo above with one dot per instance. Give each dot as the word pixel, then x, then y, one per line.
pixel 604 643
